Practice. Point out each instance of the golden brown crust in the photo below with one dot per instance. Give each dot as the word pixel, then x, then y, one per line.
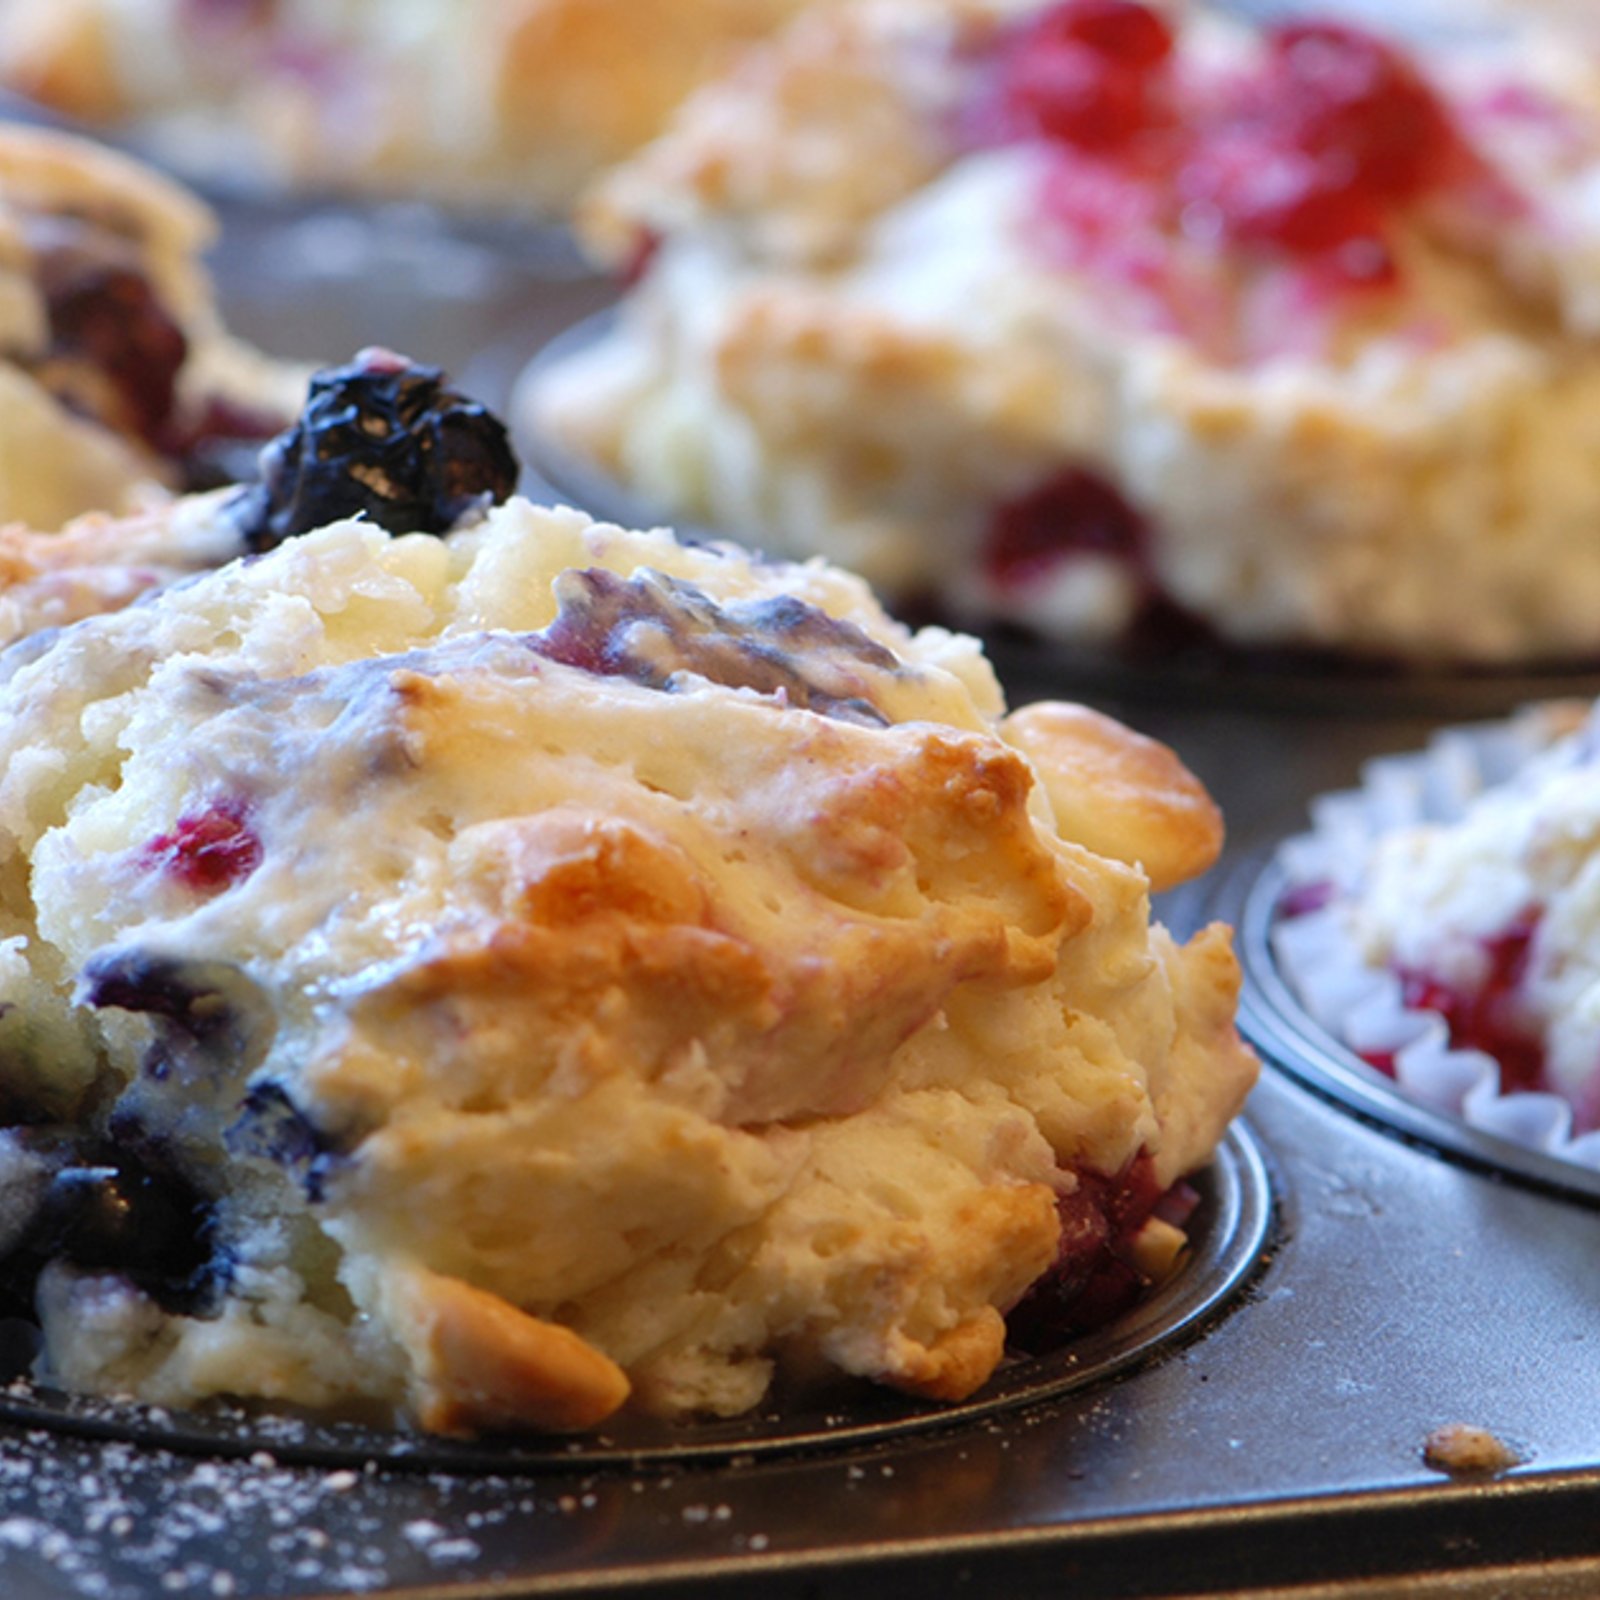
pixel 788 1029
pixel 745 149
pixel 957 1363
pixel 517 102
pixel 52 172
pixel 481 1363
pixel 58 53
pixel 1119 793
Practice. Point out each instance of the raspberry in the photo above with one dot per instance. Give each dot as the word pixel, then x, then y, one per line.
pixel 1282 197
pixel 1085 73
pixel 1092 1281
pixel 1354 103
pixel 1121 31
pixel 1487 1018
pixel 1073 513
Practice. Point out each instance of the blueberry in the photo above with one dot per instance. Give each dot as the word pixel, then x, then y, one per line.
pixel 107 1204
pixel 384 438
pixel 650 628
pixel 210 1014
pixel 272 1126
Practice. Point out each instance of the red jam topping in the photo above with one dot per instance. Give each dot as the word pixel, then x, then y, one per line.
pixel 1489 1017
pixel 1074 513
pixel 1087 73
pixel 1305 157
pixel 207 851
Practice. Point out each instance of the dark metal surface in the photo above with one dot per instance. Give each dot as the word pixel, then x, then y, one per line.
pixel 1276 1448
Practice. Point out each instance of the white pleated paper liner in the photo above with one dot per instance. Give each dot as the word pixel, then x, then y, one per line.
pixel 1362 1007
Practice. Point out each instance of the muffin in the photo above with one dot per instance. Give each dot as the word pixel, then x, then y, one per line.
pixel 495 979
pixel 118 380
pixel 1106 321
pixel 1442 922
pixel 500 105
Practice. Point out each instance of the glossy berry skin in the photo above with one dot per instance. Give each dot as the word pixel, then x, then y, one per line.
pixel 1123 33
pixel 116 1205
pixel 1352 102
pixel 1086 73
pixel 381 438
pixel 1304 157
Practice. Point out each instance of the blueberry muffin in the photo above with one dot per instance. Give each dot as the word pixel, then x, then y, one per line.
pixel 499 105
pixel 1106 320
pixel 494 979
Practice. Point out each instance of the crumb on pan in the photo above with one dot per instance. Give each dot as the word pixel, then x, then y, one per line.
pixel 1460 1448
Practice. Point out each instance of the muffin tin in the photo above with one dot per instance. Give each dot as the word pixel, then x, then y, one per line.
pixel 1362 1275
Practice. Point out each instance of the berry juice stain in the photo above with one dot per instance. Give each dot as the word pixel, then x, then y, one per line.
pixel 207 851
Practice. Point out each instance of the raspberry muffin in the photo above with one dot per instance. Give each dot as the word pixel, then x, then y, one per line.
pixel 1443 922
pixel 1092 316
pixel 117 379
pixel 495 979
pixel 493 104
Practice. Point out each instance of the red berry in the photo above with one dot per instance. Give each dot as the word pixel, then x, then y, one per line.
pixel 1069 93
pixel 1085 73
pixel 1356 103
pixel 1074 513
pixel 1488 1017
pixel 1266 194
pixel 1120 30
pixel 207 851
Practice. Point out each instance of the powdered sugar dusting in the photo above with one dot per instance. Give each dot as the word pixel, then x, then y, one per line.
pixel 118 1521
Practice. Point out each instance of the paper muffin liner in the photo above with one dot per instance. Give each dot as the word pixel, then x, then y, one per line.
pixel 1363 1007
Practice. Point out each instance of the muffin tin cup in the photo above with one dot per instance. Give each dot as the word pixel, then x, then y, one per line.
pixel 1314 1006
pixel 1228 1233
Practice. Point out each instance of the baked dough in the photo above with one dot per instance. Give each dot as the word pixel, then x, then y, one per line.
pixel 116 375
pixel 1033 383
pixel 495 104
pixel 554 968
